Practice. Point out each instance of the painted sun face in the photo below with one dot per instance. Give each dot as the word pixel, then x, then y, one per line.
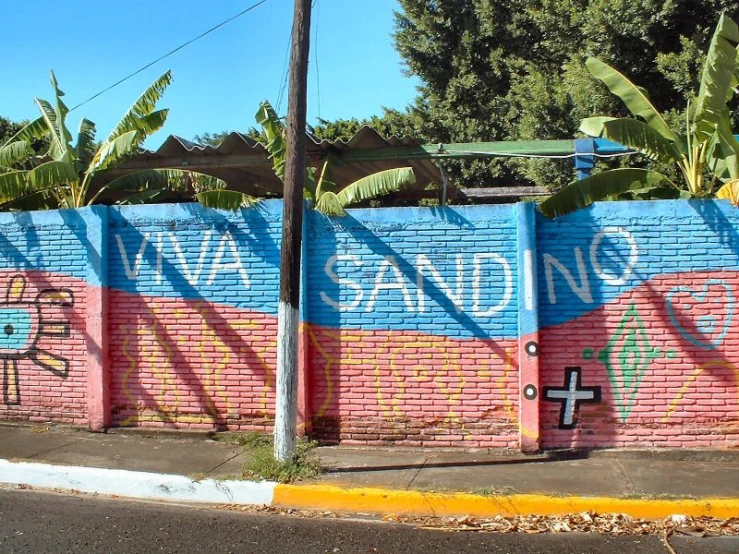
pixel 16 326
pixel 22 325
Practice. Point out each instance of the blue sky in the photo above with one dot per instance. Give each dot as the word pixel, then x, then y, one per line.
pixel 219 80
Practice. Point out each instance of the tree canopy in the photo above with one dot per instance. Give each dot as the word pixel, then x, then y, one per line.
pixel 514 69
pixel 8 128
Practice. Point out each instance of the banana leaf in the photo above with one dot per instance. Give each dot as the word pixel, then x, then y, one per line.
pixel 635 98
pixel 85 146
pixel 730 192
pixel 57 149
pixel 600 186
pixel 13 152
pixel 639 136
pixel 329 204
pixel 35 130
pixel 113 151
pixel 723 151
pixel 157 178
pixel 37 200
pixel 52 174
pixel 718 75
pixel 143 106
pixel 142 197
pixel 13 183
pixel 372 186
pixel 223 199
pixel 273 128
pixel 593 126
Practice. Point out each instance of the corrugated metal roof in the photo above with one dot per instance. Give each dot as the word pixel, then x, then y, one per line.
pixel 244 163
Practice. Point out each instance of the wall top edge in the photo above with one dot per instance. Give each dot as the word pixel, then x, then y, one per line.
pixel 456 215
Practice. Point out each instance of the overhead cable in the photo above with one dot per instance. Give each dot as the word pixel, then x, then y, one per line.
pixel 159 59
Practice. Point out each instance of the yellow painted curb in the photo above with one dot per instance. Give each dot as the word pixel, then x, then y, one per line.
pixel 382 501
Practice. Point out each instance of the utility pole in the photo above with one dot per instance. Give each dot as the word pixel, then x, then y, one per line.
pixel 286 409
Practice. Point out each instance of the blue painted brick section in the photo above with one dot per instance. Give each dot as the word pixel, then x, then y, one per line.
pixel 44 241
pixel 187 251
pixel 612 247
pixel 447 271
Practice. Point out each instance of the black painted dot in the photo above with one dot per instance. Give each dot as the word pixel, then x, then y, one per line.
pixel 9 329
pixel 532 348
pixel 530 392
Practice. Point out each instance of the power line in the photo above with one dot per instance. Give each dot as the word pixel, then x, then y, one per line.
pixel 284 73
pixel 317 5
pixel 189 42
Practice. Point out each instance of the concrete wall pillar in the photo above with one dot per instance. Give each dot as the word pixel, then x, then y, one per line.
pixel 528 329
pixel 96 326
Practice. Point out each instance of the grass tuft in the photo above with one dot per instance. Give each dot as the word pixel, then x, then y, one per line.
pixel 262 464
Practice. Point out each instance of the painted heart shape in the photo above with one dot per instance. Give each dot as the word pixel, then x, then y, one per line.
pixel 687 309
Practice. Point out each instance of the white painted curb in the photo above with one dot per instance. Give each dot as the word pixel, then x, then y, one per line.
pixel 136 484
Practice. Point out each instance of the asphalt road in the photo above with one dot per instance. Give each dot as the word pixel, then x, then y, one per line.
pixel 38 523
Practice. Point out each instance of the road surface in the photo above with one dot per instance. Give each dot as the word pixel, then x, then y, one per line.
pixel 32 522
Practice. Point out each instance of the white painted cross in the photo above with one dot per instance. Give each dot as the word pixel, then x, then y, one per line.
pixel 571 396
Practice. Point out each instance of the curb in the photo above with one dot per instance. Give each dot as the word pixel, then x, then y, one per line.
pixel 135 484
pixel 180 488
pixel 383 501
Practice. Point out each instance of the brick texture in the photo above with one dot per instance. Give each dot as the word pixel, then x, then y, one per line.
pixel 411 323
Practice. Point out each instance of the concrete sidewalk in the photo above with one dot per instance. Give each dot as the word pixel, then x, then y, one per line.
pixel 393 480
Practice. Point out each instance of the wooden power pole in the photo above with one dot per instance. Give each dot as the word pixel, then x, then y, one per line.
pixel 286 409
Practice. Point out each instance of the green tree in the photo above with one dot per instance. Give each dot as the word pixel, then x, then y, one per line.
pixel 71 175
pixel 213 140
pixel 514 69
pixel 8 129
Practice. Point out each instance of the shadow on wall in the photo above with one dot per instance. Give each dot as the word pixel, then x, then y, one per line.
pixel 194 356
pixel 660 348
pixel 377 379
pixel 42 326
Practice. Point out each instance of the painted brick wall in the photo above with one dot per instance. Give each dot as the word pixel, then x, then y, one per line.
pixel 42 317
pixel 480 326
pixel 413 324
pixel 193 316
pixel 642 298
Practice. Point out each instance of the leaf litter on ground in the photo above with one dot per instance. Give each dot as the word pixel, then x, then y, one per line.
pixel 584 522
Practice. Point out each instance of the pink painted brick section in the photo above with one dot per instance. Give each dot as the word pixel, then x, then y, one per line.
pixel 413 389
pixel 190 365
pixel 659 389
pixel 55 393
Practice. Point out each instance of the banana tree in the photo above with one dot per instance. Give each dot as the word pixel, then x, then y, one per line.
pixel 68 175
pixel 705 153
pixel 320 188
